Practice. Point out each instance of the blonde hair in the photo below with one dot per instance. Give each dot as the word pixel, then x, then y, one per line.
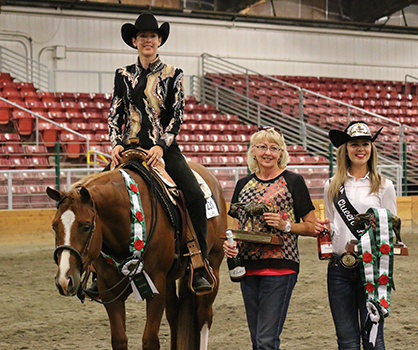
pixel 270 135
pixel 343 163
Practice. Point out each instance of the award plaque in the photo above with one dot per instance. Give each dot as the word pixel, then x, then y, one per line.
pixel 255 237
pixel 398 248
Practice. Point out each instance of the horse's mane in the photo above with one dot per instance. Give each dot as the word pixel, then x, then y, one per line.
pixel 89 178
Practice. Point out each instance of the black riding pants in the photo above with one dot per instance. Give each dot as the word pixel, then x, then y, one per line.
pixel 177 167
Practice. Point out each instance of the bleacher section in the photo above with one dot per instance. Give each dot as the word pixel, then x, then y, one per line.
pixel 207 136
pixel 386 98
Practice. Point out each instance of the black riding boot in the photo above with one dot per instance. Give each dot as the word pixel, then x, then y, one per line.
pixel 197 213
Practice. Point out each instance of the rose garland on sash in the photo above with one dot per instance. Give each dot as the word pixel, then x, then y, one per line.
pixel 375 249
pixel 134 264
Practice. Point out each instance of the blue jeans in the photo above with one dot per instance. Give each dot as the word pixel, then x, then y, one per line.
pixel 347 299
pixel 266 300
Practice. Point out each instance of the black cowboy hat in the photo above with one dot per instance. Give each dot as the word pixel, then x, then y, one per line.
pixel 144 22
pixel 354 131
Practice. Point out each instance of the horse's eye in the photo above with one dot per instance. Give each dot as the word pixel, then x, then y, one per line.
pixel 86 227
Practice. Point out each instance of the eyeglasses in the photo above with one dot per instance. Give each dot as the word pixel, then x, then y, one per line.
pixel 272 149
pixel 267 128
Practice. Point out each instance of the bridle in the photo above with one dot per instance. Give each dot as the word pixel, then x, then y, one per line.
pixel 74 251
pixel 81 291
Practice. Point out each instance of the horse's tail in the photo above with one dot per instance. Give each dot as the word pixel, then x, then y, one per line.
pixel 188 337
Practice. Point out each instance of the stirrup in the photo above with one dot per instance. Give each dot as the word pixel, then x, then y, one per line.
pixel 207 274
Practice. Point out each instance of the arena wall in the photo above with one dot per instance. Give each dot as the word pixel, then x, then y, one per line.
pixel 89 41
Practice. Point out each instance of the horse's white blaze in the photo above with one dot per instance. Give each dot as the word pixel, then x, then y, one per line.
pixel 204 337
pixel 67 220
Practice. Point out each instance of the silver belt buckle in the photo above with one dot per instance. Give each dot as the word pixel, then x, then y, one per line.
pixel 349 260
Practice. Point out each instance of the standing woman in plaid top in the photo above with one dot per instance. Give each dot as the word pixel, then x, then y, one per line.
pixel 271 270
pixel 147 111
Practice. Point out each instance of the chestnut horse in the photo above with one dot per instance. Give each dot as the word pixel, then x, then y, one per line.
pixel 95 215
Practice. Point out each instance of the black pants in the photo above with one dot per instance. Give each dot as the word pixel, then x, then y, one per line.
pixel 177 167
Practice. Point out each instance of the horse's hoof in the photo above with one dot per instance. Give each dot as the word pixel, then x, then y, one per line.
pixel 200 283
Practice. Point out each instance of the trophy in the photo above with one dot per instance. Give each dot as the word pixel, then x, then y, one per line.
pixel 250 210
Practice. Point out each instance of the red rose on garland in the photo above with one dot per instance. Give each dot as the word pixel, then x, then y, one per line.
pixel 383 280
pixel 109 260
pixel 367 257
pixel 385 248
pixel 139 244
pixel 133 188
pixel 139 216
pixel 384 303
pixel 369 287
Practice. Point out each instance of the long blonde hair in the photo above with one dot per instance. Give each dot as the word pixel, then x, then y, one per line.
pixel 270 135
pixel 343 163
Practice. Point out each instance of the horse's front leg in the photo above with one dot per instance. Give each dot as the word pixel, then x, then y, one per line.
pixel 117 318
pixel 172 312
pixel 155 310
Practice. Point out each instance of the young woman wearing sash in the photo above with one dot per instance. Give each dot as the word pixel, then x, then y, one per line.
pixel 271 270
pixel 356 187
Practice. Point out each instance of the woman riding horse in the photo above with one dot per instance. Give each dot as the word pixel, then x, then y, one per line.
pixel 95 216
pixel 147 111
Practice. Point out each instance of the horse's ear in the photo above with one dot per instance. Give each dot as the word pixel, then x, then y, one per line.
pixel 54 194
pixel 85 195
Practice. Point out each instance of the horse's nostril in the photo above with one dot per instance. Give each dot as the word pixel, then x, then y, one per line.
pixel 70 283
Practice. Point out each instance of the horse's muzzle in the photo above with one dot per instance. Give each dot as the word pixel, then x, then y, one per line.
pixel 68 285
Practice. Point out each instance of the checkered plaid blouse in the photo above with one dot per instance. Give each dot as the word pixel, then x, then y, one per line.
pixel 289 195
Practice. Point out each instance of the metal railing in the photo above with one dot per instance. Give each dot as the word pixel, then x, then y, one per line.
pixel 35 196
pixel 38 117
pixel 304 117
pixel 24 69
pixel 408 91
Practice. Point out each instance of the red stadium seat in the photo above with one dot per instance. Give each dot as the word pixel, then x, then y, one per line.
pixel 49 133
pixel 36 107
pixel 9 138
pixel 93 117
pixel 53 106
pixel 84 97
pixel 47 96
pixel 5 77
pixel 13 150
pixel 38 162
pixel 29 95
pixel 8 85
pixel 75 117
pixel 66 96
pixel 71 144
pixel 23 122
pixel 93 107
pixel 99 97
pixel 5 113
pixel 58 117
pixel 25 86
pixel 12 95
pixel 36 150
pixel 72 107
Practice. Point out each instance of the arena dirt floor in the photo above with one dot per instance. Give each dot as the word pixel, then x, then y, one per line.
pixel 34 316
